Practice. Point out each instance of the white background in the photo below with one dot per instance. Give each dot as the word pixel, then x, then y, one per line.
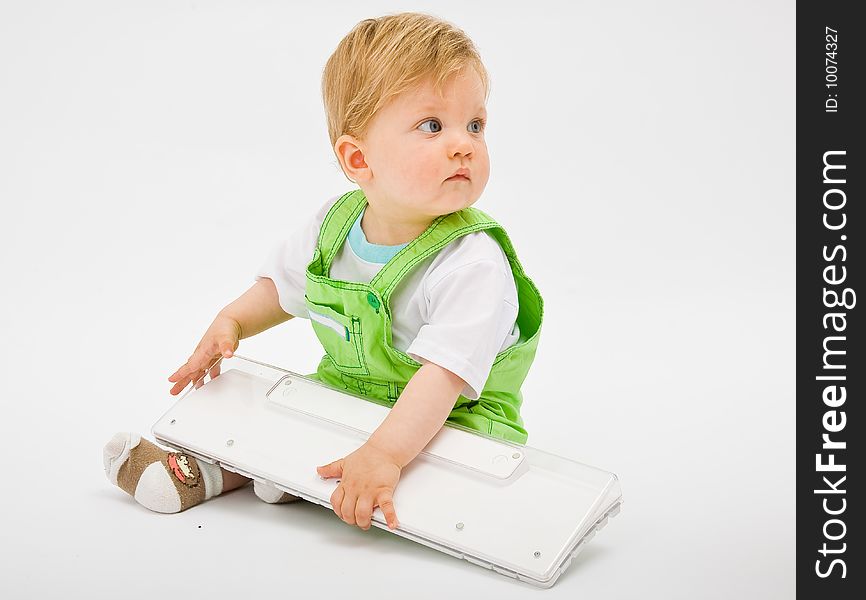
pixel 152 153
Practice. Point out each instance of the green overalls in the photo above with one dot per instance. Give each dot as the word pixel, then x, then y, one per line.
pixel 353 322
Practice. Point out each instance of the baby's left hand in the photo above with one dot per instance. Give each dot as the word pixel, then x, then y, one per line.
pixel 368 479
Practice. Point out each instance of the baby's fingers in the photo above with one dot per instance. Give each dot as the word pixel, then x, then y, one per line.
pixel 364 511
pixel 337 500
pixel 215 371
pixel 198 378
pixel 179 387
pixel 177 374
pixel 386 503
pixel 181 379
pixel 188 369
pixel 226 348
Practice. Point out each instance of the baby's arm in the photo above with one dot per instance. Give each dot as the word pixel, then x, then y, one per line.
pixel 254 311
pixel 418 414
pixel 370 474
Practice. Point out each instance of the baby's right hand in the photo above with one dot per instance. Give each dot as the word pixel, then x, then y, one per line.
pixel 221 339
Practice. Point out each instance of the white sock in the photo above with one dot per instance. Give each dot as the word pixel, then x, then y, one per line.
pixel 271 494
pixel 160 480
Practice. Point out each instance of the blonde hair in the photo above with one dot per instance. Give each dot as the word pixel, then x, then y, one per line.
pixel 383 57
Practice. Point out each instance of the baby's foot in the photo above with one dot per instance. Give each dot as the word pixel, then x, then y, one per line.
pixel 163 481
pixel 271 494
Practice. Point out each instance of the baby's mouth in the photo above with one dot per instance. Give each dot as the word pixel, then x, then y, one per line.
pixel 461 174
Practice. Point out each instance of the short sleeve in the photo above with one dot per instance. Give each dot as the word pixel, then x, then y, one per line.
pixel 287 262
pixel 470 316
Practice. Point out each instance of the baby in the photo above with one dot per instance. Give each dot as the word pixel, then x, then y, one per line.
pixel 419 300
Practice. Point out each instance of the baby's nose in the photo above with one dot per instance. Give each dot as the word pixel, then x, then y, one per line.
pixel 461 144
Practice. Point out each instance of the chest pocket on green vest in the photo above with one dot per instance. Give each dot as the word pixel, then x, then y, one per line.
pixel 340 336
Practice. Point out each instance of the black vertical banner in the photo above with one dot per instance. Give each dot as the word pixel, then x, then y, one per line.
pixel 831 371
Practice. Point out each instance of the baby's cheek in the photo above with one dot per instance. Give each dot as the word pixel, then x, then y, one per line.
pixel 482 176
pixel 414 171
pixel 482 163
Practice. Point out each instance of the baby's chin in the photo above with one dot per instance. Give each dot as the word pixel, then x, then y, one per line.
pixel 454 200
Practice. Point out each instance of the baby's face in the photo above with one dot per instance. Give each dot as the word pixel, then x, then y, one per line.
pixel 417 142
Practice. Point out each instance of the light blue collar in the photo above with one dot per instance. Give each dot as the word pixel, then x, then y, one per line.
pixel 374 253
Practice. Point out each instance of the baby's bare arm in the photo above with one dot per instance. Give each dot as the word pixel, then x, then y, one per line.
pixel 418 415
pixel 256 310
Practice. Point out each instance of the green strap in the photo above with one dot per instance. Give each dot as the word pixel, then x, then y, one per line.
pixel 442 231
pixel 337 224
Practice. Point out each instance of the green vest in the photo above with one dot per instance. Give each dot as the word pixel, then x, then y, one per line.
pixel 353 322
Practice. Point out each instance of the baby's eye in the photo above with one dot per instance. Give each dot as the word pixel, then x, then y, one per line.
pixel 437 126
pixel 476 126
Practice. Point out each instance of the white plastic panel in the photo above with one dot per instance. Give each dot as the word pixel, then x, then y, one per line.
pixel 487 456
pixel 466 494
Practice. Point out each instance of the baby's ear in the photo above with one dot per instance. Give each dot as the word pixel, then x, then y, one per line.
pixel 351 157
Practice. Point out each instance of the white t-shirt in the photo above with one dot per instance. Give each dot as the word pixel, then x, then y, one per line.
pixel 457 308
